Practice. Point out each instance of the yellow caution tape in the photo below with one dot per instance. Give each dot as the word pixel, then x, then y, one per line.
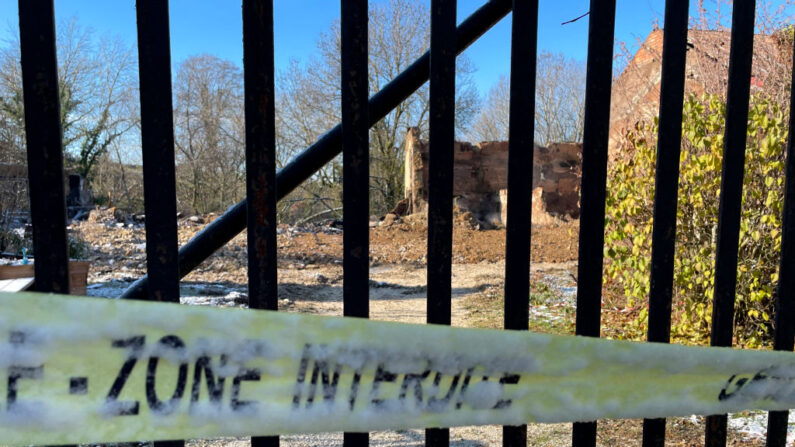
pixel 82 370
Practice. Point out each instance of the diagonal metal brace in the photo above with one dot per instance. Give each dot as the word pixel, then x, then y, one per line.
pixel 233 221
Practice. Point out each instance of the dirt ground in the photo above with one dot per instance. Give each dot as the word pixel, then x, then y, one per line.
pixel 401 242
pixel 310 280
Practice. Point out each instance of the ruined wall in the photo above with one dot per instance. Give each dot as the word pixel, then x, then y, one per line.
pixel 480 179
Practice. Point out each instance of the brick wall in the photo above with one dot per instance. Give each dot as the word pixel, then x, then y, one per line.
pixel 480 177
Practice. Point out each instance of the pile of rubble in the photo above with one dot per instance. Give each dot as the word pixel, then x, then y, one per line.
pixel 116 217
pixel 116 244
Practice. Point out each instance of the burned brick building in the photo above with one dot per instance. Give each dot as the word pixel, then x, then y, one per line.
pixel 636 92
pixel 480 179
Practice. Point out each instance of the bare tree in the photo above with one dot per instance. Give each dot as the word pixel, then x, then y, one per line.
pixel 560 103
pixel 97 86
pixel 560 98
pixel 770 17
pixel 492 122
pixel 309 100
pixel 772 61
pixel 209 132
pixel 11 140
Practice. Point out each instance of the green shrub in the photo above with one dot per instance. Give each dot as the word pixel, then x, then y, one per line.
pixel 629 220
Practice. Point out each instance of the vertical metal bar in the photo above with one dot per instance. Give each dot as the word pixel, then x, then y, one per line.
pixel 599 72
pixel 157 141
pixel 669 135
pixel 440 174
pixel 44 145
pixel 731 189
pixel 785 294
pixel 521 130
pixel 355 157
pixel 356 170
pixel 777 422
pixel 260 162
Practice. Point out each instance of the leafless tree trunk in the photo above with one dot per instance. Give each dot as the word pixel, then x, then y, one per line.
pixel 208 132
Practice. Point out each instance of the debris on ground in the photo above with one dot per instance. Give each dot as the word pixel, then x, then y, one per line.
pixel 118 249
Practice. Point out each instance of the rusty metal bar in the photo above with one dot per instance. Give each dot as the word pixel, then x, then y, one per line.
pixel 157 141
pixel 355 170
pixel 355 158
pixel 521 131
pixel 594 177
pixel 669 141
pixel 44 145
pixel 441 120
pixel 260 162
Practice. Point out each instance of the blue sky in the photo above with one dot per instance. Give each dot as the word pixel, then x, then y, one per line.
pixel 215 26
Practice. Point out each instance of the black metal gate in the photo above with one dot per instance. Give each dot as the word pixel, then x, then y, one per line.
pixel 166 264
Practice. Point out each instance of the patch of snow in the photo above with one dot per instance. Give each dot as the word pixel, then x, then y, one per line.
pixel 236 297
pixel 213 294
pixel 545 313
pixel 754 425
pixel 562 298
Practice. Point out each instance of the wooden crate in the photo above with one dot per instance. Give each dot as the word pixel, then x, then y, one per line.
pixel 78 274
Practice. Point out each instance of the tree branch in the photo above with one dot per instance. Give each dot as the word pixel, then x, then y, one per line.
pixel 575 19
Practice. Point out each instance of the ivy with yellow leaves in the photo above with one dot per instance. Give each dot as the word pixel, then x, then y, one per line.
pixel 629 220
